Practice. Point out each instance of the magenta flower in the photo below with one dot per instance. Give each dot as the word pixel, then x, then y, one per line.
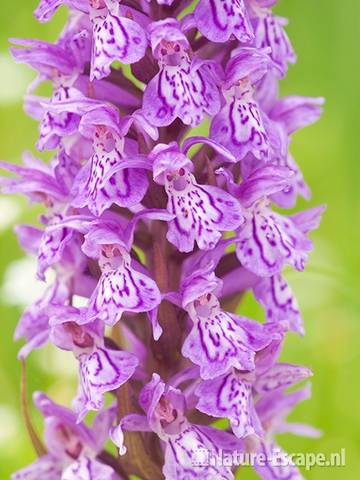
pixel 219 20
pixel 185 87
pixel 164 406
pixel 201 212
pixel 159 230
pixel 72 447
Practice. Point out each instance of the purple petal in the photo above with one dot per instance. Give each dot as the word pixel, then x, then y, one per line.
pixel 122 290
pixel 274 406
pixel 43 57
pixel 102 371
pixel 270 33
pixel 276 469
pixel 37 341
pixel 279 302
pixel 167 159
pixel 267 241
pixel 184 457
pixel 308 220
pixel 34 323
pixel 229 397
pixel 219 341
pixel 51 248
pixel 115 38
pixel 55 125
pixel 34 179
pixel 301 430
pixel 287 197
pixel 247 63
pixel 47 8
pixel 198 283
pixel 29 237
pixel 168 30
pixel 191 141
pixel 281 375
pixel 202 213
pixel 239 127
pixel 297 112
pixel 263 182
pixel 77 434
pixel 218 20
pixel 181 91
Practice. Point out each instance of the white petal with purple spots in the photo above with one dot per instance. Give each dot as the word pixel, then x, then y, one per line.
pixel 219 341
pixel 115 38
pixel 182 91
pixel 267 241
pixel 202 212
pixel 240 128
pixel 120 290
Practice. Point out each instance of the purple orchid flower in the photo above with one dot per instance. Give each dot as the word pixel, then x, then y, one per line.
pixel 286 116
pixel 240 126
pixel 269 32
pixel 267 240
pixel 101 369
pixel 218 340
pixel 72 447
pixel 184 88
pixel 219 20
pixel 165 407
pixel 94 186
pixel 121 287
pixel 201 212
pixel 231 395
pixel 115 37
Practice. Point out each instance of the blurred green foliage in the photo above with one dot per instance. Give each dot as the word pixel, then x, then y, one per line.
pixel 326 36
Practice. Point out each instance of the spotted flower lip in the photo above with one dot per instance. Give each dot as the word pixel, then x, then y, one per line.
pixel 218 340
pixel 115 37
pixel 267 240
pixel 240 125
pixel 152 234
pixel 219 20
pixel 201 212
pixel 184 88
pixel 120 288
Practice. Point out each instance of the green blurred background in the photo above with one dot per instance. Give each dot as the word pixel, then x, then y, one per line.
pixel 326 36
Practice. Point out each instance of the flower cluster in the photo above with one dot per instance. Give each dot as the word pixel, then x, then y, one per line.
pixel 154 233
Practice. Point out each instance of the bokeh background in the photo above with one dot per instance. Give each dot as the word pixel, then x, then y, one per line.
pixel 326 36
